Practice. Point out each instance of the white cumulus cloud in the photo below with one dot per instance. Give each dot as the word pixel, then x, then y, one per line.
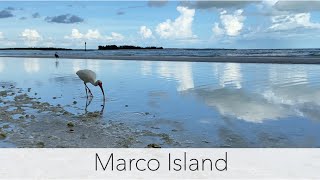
pixel 115 37
pixel 94 35
pixel 293 21
pixel 145 32
pixel 75 34
pixel 217 30
pixel 91 34
pixel 181 27
pixel 31 36
pixel 231 24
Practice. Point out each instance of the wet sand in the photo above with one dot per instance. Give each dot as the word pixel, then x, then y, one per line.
pixel 235 59
pixel 26 122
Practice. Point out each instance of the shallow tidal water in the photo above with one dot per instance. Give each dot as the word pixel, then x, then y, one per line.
pixel 171 104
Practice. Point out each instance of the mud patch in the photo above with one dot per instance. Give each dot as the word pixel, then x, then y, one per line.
pixel 26 122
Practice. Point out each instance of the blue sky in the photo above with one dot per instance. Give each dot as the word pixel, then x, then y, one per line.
pixel 172 24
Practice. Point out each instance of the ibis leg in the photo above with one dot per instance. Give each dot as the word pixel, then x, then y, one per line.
pixel 89 90
pixel 88 102
pixel 85 86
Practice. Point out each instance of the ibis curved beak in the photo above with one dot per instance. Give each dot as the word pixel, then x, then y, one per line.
pixel 102 90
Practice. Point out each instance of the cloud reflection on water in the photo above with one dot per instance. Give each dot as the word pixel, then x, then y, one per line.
pixel 94 65
pixel 287 76
pixel 231 75
pixel 146 68
pixel 77 64
pixel 288 93
pixel 181 72
pixel 31 65
pixel 283 91
pixel 1 66
pixel 242 105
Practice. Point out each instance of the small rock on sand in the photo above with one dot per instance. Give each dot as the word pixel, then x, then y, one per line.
pixel 66 113
pixel 93 114
pixel 2 135
pixel 5 126
pixel 83 136
pixel 153 145
pixel 70 124
pixel 40 144
pixel 3 93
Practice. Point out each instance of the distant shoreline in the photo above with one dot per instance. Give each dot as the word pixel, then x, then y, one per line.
pixel 230 59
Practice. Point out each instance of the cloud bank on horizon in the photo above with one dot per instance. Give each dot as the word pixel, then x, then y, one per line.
pixel 189 24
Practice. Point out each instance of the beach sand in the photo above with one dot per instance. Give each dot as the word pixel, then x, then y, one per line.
pixel 26 122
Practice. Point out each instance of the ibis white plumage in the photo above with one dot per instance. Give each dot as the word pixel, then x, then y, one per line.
pixel 88 76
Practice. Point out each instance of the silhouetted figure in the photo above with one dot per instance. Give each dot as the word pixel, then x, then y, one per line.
pixel 56 55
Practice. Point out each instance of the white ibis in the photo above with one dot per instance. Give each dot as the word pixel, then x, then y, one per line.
pixel 86 76
pixel 56 55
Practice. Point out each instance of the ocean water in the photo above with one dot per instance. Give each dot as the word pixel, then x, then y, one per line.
pixel 171 52
pixel 195 104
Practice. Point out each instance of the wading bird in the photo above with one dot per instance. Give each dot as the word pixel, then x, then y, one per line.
pixel 86 76
pixel 56 55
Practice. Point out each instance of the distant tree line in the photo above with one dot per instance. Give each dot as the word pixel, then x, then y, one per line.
pixel 114 47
